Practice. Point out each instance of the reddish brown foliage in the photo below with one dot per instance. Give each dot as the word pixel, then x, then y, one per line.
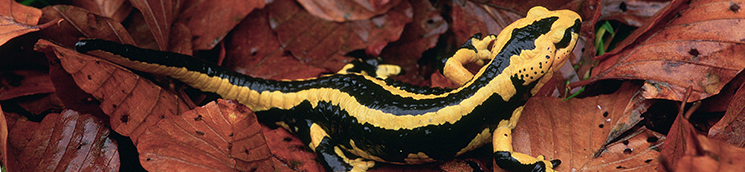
pixel 684 45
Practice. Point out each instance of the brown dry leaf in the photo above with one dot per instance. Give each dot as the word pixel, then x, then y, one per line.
pixel 730 128
pixel 700 48
pixel 79 23
pixel 17 19
pixel 68 91
pixel 576 130
pixel 282 41
pixel 419 36
pixel 132 102
pixel 23 83
pixel 637 152
pixel 220 136
pixel 3 139
pixel 289 150
pixel 140 32
pixel 253 49
pixel 159 15
pixel 322 43
pixel 632 12
pixel 470 18
pixel 523 6
pixel 342 11
pixel 115 9
pixel 180 39
pixel 685 150
pixel 657 21
pixel 718 156
pixel 61 142
pixel 210 21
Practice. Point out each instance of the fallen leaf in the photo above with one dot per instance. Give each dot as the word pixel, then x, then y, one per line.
pixel 685 150
pixel 731 128
pixel 68 91
pixel 159 15
pixel 290 151
pixel 16 20
pixel 220 136
pixel 700 48
pixel 524 6
pixel 419 36
pixel 40 105
pixel 180 39
pixel 23 83
pixel 210 21
pixel 140 32
pixel 115 9
pixel 3 139
pixel 631 12
pixel 79 23
pixel 132 102
pixel 638 152
pixel 323 43
pixel 253 49
pixel 61 142
pixel 721 101
pixel 342 11
pixel 718 156
pixel 577 130
pixel 470 18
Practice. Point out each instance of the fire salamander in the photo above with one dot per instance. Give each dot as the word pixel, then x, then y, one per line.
pixel 350 119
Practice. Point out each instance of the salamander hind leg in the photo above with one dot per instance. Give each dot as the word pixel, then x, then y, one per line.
pixel 509 160
pixel 332 156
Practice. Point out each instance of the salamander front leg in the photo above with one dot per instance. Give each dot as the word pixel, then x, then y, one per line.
pixel 372 67
pixel 508 160
pixel 331 155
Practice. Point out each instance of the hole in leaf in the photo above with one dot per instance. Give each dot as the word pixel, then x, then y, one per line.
pixel 200 133
pixel 198 118
pixel 694 52
pixel 622 6
pixel 627 151
pixel 625 142
pixel 124 118
pixel 734 7
pixel 651 139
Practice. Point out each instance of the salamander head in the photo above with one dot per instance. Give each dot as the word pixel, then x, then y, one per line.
pixel 547 39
